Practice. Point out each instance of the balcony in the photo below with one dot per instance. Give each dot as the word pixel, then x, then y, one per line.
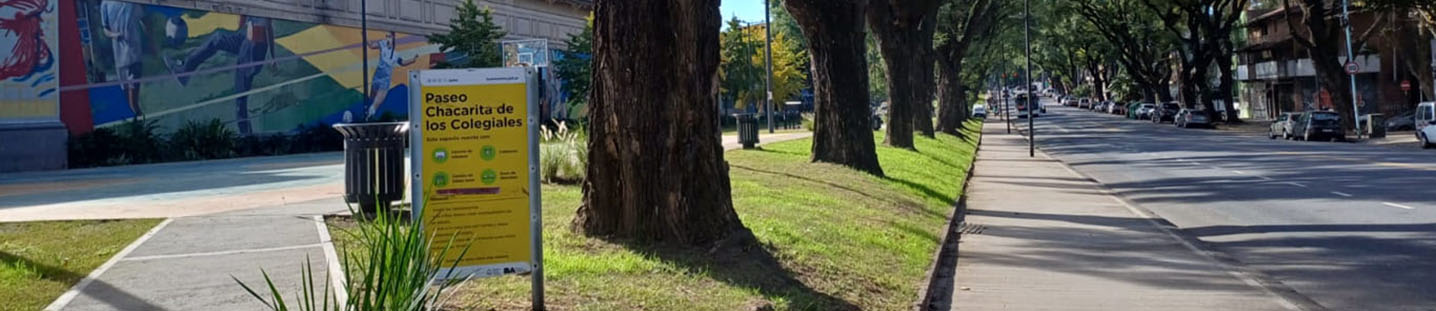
pixel 1299 68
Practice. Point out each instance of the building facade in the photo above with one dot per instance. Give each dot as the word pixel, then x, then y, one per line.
pixel 1276 72
pixel 263 66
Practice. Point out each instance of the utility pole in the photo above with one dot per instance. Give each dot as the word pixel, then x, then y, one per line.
pixel 1351 58
pixel 768 62
pixel 1027 45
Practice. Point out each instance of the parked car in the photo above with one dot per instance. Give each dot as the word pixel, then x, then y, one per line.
pixel 1114 108
pixel 979 111
pixel 1281 127
pixel 1144 111
pixel 1189 118
pixel 1318 125
pixel 1425 118
pixel 1404 121
pixel 1085 103
pixel 1069 101
pixel 1166 112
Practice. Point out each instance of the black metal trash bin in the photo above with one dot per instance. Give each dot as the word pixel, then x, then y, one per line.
pixel 747 130
pixel 374 163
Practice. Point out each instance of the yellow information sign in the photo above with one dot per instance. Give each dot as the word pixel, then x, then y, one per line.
pixel 472 149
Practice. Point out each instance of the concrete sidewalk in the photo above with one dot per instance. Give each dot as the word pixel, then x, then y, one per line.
pixel 1038 236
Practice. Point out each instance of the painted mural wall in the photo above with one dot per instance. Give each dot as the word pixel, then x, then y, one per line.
pixel 256 74
pixel 28 66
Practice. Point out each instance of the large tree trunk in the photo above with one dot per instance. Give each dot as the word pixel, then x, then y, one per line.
pixel 656 170
pixel 1225 91
pixel 951 96
pixel 904 31
pixel 1325 38
pixel 842 122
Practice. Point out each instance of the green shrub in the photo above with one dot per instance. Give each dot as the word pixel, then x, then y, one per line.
pixel 563 156
pixel 204 140
pixel 94 148
pixel 319 137
pixel 262 145
pixel 140 142
pixel 130 142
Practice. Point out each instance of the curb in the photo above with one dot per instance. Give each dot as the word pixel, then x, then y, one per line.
pixel 945 256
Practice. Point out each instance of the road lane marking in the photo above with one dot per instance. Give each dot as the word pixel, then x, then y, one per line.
pixel 1295 184
pixel 1263 177
pixel 1397 205
pixel 1238 172
pixel 1341 194
pixel 222 253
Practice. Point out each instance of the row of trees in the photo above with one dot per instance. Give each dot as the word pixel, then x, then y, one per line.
pixel 656 172
pixel 1144 41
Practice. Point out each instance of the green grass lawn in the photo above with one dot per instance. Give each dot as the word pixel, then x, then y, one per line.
pixel 833 238
pixel 41 260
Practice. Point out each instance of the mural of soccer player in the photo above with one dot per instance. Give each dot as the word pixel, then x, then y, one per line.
pixel 379 86
pixel 122 24
pixel 251 44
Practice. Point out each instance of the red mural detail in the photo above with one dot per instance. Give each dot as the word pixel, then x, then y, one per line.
pixel 30 51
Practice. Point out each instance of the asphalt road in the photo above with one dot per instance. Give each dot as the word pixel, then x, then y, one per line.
pixel 1348 226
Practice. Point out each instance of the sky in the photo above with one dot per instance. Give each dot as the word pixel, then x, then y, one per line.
pixel 746 10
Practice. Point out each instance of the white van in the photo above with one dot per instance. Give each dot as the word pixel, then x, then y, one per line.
pixel 1426 124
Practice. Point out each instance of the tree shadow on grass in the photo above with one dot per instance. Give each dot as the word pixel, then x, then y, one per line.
pixel 742 261
pixel 947 199
pixel 98 290
pixel 903 203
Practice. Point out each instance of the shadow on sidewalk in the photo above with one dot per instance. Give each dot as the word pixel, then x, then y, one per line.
pixel 98 290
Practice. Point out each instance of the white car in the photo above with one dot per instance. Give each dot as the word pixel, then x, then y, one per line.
pixel 979 111
pixel 1426 124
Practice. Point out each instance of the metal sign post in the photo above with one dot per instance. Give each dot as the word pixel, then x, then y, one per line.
pixel 1351 67
pixel 473 147
pixel 1027 45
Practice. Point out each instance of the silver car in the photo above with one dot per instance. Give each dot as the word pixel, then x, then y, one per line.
pixel 1281 127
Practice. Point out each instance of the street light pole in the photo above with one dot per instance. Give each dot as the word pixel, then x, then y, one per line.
pixel 1027 45
pixel 768 62
pixel 1351 58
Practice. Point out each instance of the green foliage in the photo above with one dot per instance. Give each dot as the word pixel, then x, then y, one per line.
pixel 204 140
pixel 317 138
pixel 473 33
pixel 877 72
pixel 741 77
pixel 575 70
pixel 40 260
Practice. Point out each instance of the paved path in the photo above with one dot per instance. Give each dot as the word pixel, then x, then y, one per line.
pixel 1038 236
pixel 730 142
pixel 224 218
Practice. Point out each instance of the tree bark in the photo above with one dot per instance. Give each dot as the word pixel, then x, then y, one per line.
pixel 904 31
pixel 656 170
pixel 842 122
pixel 952 97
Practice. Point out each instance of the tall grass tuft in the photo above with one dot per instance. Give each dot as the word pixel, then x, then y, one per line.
pixel 563 157
pixel 393 270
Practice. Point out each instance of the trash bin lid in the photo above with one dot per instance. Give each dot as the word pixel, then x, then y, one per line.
pixel 372 130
